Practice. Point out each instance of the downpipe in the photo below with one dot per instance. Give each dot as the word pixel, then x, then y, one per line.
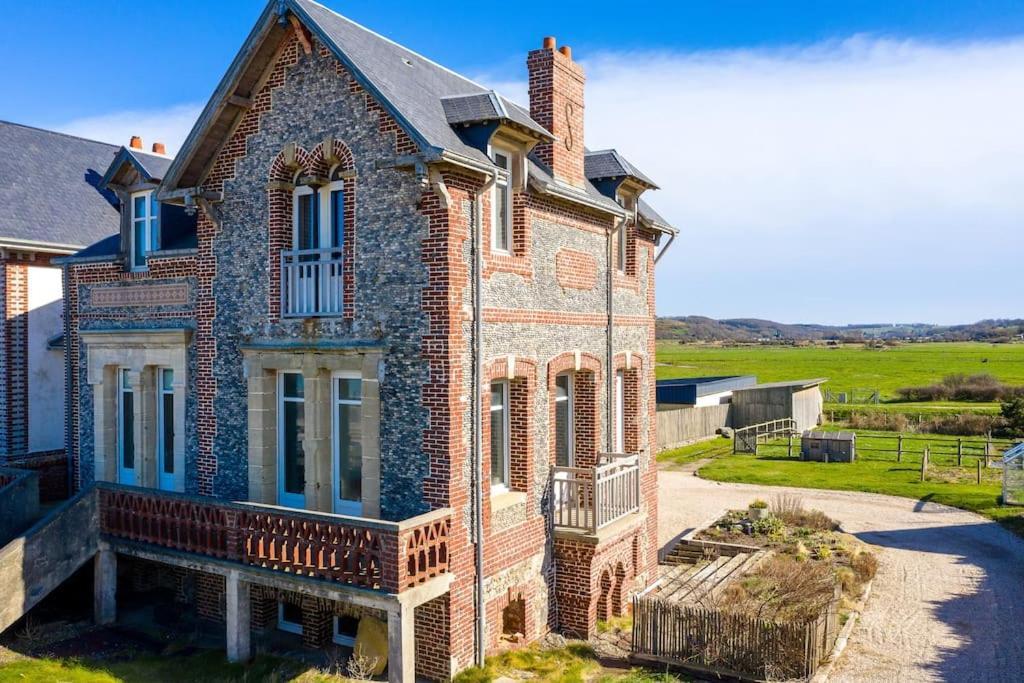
pixel 477 396
pixel 609 335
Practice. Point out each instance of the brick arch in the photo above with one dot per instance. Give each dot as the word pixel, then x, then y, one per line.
pixel 340 155
pixel 604 596
pixel 586 405
pixel 283 171
pixel 619 582
pixel 525 368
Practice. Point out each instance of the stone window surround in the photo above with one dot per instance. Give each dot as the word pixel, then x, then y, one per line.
pixel 318 368
pixel 142 352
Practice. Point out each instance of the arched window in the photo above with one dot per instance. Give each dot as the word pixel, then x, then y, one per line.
pixel 334 196
pixel 313 271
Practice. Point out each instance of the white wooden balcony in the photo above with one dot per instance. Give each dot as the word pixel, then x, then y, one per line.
pixel 312 283
pixel 586 499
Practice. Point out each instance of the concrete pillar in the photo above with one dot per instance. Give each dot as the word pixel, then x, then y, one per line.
pixel 238 619
pixel 105 586
pixel 401 645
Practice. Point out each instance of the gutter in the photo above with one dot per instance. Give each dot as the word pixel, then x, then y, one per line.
pixel 41 247
pixel 578 197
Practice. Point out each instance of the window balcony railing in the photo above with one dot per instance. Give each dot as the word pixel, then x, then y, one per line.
pixel 312 283
pixel 368 553
pixel 590 498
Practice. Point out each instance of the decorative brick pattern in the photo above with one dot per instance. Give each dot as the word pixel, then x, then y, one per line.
pixel 556 102
pixel 575 269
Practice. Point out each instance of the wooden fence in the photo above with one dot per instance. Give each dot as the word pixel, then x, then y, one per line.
pixel 684 425
pixel 732 645
pixel 746 440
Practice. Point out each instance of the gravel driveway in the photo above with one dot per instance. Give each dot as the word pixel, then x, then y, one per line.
pixel 948 601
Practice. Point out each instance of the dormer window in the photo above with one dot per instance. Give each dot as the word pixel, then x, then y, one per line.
pixel 501 201
pixel 145 227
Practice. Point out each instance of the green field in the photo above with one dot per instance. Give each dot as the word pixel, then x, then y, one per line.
pixel 874 472
pixel 849 366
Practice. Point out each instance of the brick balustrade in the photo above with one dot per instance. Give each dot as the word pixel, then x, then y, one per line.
pixel 368 553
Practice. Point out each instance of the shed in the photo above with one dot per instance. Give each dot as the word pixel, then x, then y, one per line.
pixel 828 446
pixel 701 391
pixel 799 399
pixel 1013 476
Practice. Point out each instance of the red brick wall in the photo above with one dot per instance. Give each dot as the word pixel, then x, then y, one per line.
pixel 575 269
pixel 556 102
pixel 15 356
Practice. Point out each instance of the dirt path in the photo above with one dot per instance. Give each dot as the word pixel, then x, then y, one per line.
pixel 948 601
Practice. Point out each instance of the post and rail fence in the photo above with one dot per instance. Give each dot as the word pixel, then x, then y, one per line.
pixel 747 439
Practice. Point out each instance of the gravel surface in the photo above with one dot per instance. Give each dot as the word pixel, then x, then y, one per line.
pixel 948 601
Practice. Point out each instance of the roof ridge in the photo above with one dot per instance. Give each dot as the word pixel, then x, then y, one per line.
pixel 399 45
pixel 57 132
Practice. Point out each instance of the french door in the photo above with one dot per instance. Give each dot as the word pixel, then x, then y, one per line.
pixel 126 460
pixel 564 451
pixel 347 443
pixel 165 429
pixel 291 432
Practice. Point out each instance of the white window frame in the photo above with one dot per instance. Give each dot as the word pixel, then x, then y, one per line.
pixel 342 507
pixel 571 426
pixel 327 209
pixel 502 184
pixel 164 480
pixel 285 625
pixel 122 471
pixel 620 411
pixel 286 499
pixel 506 407
pixel 301 191
pixel 150 226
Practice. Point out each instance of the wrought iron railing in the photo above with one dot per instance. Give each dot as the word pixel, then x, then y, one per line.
pixel 590 498
pixel 312 283
pixel 369 553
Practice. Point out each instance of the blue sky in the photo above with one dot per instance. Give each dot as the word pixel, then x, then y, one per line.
pixel 831 161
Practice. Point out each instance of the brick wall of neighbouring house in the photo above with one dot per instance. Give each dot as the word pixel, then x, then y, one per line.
pixel 52 467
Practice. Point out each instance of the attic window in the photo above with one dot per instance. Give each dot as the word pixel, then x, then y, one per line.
pixel 145 227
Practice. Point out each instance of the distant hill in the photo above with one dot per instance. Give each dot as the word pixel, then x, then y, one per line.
pixel 752 330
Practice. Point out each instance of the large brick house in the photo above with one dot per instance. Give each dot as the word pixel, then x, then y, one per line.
pixel 397 368
pixel 51 205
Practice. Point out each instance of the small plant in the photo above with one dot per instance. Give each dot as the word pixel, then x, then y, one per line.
pixel 768 526
pixel 759 505
pixel 865 565
pixel 823 552
pixel 360 666
pixel 31 633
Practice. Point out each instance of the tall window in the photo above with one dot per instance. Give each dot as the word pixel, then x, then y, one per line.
pixel 348 445
pixel 500 475
pixel 291 475
pixel 620 249
pixel 563 421
pixel 501 223
pixel 145 227
pixel 306 224
pixel 125 428
pixel 620 412
pixel 335 195
pixel 165 428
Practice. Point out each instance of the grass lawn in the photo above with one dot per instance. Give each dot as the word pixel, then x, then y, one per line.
pixel 712 448
pixel 847 367
pixel 196 668
pixel 877 473
pixel 574 663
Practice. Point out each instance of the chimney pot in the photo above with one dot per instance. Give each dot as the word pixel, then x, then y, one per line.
pixel 549 43
pixel 566 50
pixel 159 148
pixel 136 142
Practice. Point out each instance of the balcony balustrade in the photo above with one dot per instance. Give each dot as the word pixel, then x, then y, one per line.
pixel 312 283
pixel 588 499
pixel 368 553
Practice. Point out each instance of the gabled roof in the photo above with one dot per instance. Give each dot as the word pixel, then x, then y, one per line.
pixel 150 167
pixel 608 163
pixel 653 218
pixel 424 98
pixel 50 189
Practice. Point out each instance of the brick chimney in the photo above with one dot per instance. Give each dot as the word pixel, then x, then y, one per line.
pixel 159 148
pixel 136 142
pixel 556 102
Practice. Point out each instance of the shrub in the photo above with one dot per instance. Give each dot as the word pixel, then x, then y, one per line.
pixel 864 565
pixel 847 579
pixel 790 509
pixel 1013 413
pixel 892 422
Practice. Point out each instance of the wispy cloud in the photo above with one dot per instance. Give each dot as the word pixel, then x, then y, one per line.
pixel 170 126
pixel 865 179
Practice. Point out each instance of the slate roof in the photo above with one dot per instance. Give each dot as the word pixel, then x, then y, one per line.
pixel 49 187
pixel 423 96
pixel 151 167
pixel 608 163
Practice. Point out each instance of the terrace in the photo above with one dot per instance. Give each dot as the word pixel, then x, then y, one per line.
pixel 588 499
